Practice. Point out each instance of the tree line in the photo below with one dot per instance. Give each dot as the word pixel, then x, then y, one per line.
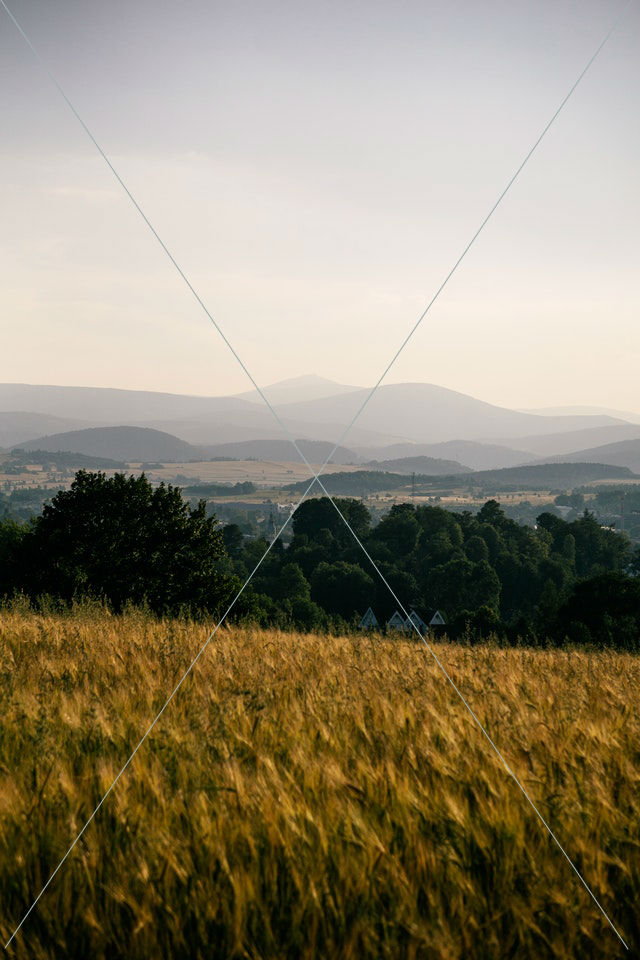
pixel 121 540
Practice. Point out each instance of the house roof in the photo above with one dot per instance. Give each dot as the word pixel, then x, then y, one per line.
pixel 396 621
pixel 369 620
pixel 416 619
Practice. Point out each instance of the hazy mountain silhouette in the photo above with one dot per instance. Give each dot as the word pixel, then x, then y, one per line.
pixel 412 413
pixel 549 475
pixel 626 453
pixel 298 389
pixel 234 426
pixel 203 420
pixel 558 444
pixel 19 425
pixel 469 453
pixel 429 466
pixel 316 451
pixel 627 415
pixel 109 405
pixel 119 443
pixel 427 413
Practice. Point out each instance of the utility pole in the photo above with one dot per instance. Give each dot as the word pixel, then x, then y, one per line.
pixel 272 529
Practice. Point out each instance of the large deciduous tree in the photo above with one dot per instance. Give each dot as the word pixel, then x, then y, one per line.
pixel 120 539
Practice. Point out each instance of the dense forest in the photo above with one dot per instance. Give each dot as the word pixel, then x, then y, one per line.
pixel 122 541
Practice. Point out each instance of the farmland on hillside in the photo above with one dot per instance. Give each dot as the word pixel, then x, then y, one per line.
pixel 311 796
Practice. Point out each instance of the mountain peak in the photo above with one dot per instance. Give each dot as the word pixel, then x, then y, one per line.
pixel 309 386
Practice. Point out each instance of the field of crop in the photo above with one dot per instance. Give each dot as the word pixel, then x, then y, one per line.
pixel 307 796
pixel 264 473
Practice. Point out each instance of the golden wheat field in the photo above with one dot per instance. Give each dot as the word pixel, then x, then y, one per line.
pixel 306 796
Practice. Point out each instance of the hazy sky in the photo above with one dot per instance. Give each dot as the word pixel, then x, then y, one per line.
pixel 316 168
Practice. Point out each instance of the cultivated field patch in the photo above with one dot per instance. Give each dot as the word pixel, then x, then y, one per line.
pixel 311 796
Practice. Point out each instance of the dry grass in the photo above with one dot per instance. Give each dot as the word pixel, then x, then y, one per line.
pixel 311 797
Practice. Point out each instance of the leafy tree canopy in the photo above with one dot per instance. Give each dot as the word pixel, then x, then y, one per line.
pixel 342 588
pixel 314 516
pixel 121 539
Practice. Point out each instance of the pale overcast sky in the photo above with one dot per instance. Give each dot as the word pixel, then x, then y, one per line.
pixel 316 168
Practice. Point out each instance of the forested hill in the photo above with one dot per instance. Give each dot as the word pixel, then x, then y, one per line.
pixel 428 466
pixel 625 453
pixel 359 483
pixel 119 443
pixel 546 476
pixel 17 460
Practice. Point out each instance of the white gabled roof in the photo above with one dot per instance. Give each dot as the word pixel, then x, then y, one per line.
pixel 414 619
pixel 437 620
pixel 396 622
pixel 369 620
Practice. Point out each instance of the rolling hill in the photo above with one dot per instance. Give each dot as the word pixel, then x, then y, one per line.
pixel 556 475
pixel 627 415
pixel 129 444
pixel 136 444
pixel 547 476
pixel 110 406
pixel 60 460
pixel 360 483
pixel 572 442
pixel 421 465
pixel 298 389
pixel 18 425
pixel 426 413
pixel 316 451
pixel 238 426
pixel 201 420
pixel 469 453
pixel 623 454
pixel 409 413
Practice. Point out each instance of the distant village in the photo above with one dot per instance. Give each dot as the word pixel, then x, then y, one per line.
pixel 403 624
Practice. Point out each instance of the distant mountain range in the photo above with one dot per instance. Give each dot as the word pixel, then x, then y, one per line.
pixel 298 389
pixel 476 456
pixel 138 444
pixel 573 441
pixel 201 420
pixel 623 454
pixel 586 411
pixel 401 420
pixel 105 405
pixel 19 426
pixel 426 413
